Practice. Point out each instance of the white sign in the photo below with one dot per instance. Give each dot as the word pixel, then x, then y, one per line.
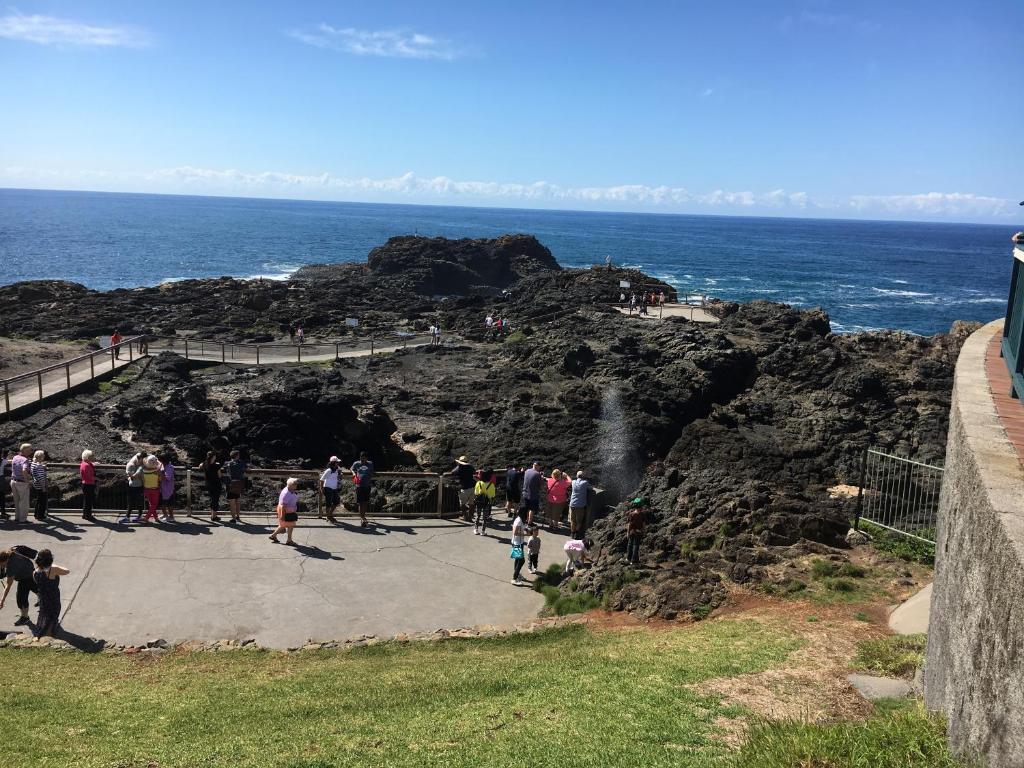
pixel 352 322
pixel 624 284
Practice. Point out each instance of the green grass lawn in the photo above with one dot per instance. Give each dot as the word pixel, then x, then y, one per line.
pixel 566 697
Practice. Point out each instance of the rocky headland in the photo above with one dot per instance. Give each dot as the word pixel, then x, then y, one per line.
pixel 732 431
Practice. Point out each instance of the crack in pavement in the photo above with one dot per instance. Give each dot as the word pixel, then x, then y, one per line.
pixel 85 576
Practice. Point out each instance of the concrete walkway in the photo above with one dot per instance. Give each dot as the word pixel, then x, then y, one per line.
pixel 911 618
pixel 690 312
pixel 201 581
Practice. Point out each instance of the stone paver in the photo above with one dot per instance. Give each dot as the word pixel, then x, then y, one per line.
pixel 911 618
pixel 873 688
pixel 202 581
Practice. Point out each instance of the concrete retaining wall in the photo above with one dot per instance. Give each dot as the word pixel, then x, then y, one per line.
pixel 974 671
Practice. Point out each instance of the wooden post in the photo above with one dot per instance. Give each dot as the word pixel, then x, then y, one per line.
pixel 223 354
pixel 67 373
pixel 337 350
pixel 299 348
pixel 113 359
pixel 92 367
pixel 7 397
pixel 440 494
pixel 186 349
pixel 257 354
pixel 131 351
pixel 39 379
pixel 371 346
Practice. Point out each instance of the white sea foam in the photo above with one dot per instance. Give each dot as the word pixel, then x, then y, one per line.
pixel 846 285
pixel 986 300
pixel 859 306
pixel 894 292
pixel 899 282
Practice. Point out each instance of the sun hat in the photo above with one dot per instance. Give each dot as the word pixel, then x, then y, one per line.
pixel 462 460
pixel 333 459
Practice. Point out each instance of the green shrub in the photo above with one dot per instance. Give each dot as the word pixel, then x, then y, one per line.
pixel 840 585
pixel 897 655
pixel 821 569
pixel 861 616
pixel 792 586
pixel 515 337
pixel 701 611
pixel 903 547
pixel 579 602
pixel 853 571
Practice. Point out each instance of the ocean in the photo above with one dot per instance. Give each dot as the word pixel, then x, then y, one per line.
pixel 917 277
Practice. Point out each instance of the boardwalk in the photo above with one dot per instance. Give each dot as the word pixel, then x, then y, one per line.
pixel 689 311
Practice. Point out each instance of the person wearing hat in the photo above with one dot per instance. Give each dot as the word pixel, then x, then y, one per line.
pixel 635 522
pixel 465 473
pixel 330 486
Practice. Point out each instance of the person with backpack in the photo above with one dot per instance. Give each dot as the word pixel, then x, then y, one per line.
pixel 330 487
pixel 16 568
pixel 483 493
pixel 362 479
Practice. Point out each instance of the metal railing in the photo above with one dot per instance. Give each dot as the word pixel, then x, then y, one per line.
pixel 900 494
pixel 1012 347
pixel 33 387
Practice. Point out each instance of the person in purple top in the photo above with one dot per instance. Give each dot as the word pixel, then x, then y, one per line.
pixel 287 512
pixel 532 482
pixel 167 490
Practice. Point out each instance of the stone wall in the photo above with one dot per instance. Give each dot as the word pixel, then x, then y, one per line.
pixel 974 671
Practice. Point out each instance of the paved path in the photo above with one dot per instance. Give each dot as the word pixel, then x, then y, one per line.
pixel 911 618
pixel 690 312
pixel 202 581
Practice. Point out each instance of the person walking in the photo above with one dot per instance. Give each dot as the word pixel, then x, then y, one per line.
pixel 40 484
pixel 167 488
pixel 533 549
pixel 136 497
pixel 513 489
pixel 235 470
pixel 115 339
pixel 47 579
pixel 16 567
pixel 287 512
pixel 464 473
pixel 211 469
pixel 330 487
pixel 5 462
pixel 87 472
pixel 151 472
pixel 579 501
pixel 21 482
pixel 300 335
pixel 483 493
pixel 532 483
pixel 362 478
pixel 516 553
pixel 636 520
pixel 558 498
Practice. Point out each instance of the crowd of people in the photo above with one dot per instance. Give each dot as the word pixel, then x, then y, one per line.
pixel 643 301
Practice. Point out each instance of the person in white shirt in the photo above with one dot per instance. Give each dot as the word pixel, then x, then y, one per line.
pixel 330 486
pixel 518 541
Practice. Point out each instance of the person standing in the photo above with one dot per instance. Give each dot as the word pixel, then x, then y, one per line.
pixel 235 470
pixel 558 498
pixel 483 493
pixel 636 520
pixel 362 478
pixel 330 487
pixel 115 339
pixel 513 489
pixel 533 549
pixel 464 473
pixel 435 335
pixel 632 302
pixel 40 484
pixel 21 482
pixel 136 497
pixel 300 335
pixel 167 488
pixel 579 500
pixel 151 471
pixel 287 512
pixel 47 579
pixel 87 472
pixel 211 469
pixel 16 567
pixel 532 482
pixel 5 461
pixel 516 553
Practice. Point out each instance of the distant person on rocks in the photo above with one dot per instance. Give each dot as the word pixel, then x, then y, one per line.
pixel 21 482
pixel 464 474
pixel 362 478
pixel 513 489
pixel 622 298
pixel 435 335
pixel 291 332
pixel 211 469
pixel 151 472
pixel 330 487
pixel 483 492
pixel 489 320
pixel 143 345
pixel 167 488
pixel 47 579
pixel 558 498
pixel 300 335
pixel 235 470
pixel 40 484
pixel 608 262
pixel 533 549
pixel 115 339
pixel 661 298
pixel 5 461
pixel 136 496
pixel 87 473
pixel 632 302
pixel 636 520
pixel 579 500
pixel 16 567
pixel 532 481
pixel 516 553
pixel 287 512
pixel 575 555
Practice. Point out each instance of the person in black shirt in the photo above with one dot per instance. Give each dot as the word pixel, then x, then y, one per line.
pixel 211 469
pixel 513 489
pixel 465 473
pixel 16 566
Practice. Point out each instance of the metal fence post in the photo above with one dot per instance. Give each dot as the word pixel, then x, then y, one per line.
pixel 223 353
pixel 67 373
pixel 440 495
pixel 860 489
pixel 39 379
pixel 7 398
pixel 188 491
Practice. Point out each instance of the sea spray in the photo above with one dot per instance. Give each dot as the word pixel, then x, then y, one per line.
pixel 617 449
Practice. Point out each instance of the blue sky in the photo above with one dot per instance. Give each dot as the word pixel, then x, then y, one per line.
pixel 907 110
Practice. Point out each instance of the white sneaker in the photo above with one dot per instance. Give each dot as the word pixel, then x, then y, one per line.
pixel 476 531
pixel 516 582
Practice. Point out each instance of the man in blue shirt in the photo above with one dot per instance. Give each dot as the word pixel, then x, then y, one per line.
pixel 362 478
pixel 532 482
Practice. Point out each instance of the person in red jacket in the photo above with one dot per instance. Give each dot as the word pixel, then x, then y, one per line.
pixel 87 470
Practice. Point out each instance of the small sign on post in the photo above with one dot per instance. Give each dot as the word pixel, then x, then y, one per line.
pixel 624 284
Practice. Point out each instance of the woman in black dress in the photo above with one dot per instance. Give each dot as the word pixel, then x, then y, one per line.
pixel 47 579
pixel 211 471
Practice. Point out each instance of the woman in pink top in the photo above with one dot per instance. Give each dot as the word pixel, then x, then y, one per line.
pixel 287 512
pixel 558 497
pixel 87 470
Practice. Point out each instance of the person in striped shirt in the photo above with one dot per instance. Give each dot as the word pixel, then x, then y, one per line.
pixel 39 483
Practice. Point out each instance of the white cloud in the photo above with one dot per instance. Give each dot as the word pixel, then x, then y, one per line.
pixel 939 204
pixel 50 30
pixel 363 42
pixel 707 92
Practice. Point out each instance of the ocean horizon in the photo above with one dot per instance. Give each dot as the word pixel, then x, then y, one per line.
pixel 868 275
